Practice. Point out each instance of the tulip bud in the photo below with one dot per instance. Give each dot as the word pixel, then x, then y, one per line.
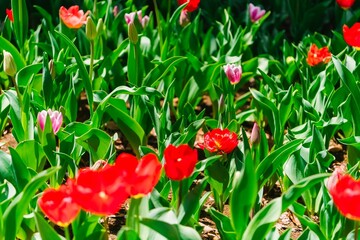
pixel 9 64
pixel 100 26
pixel 90 29
pixel 255 13
pixel 52 69
pixel 133 34
pixel 255 135
pixel 184 18
pixel 55 117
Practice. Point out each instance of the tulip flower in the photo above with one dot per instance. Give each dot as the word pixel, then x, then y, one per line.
pixel 191 6
pixel 100 191
pixel 73 17
pixel 345 192
pixel 59 205
pixel 351 35
pixel 345 4
pixel 255 13
pixel 184 18
pixel 55 117
pixel 140 176
pixel 318 56
pixel 218 140
pixel 180 161
pixel 9 14
pixel 130 17
pixel 233 73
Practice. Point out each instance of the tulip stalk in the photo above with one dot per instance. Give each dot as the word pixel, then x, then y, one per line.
pixel 157 15
pixel 133 215
pixel 67 233
pixel 356 233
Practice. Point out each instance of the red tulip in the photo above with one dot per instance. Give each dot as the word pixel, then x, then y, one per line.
pixel 73 17
pixel 345 192
pixel 9 13
pixel 218 140
pixel 345 4
pixel 180 161
pixel 140 176
pixel 192 4
pixel 317 56
pixel 100 191
pixel 59 205
pixel 352 35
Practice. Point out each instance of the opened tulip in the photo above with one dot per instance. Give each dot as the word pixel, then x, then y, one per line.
pixel 55 117
pixel 130 18
pixel 191 6
pixel 73 17
pixel 345 192
pixel 59 205
pixel 9 14
pixel 233 73
pixel 180 161
pixel 100 191
pixel 220 141
pixel 345 4
pixel 255 12
pixel 352 36
pixel 318 56
pixel 140 176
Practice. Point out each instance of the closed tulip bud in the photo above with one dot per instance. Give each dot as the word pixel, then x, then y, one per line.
pixel 133 34
pixel 52 69
pixel 90 29
pixel 255 135
pixel 100 26
pixel 9 64
pixel 184 18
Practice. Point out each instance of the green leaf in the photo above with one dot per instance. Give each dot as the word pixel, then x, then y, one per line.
pixel 82 69
pixel 266 218
pixel 25 75
pixel 47 82
pixel 20 22
pixel 7 46
pixel 190 203
pixel 223 224
pixel 46 231
pixel 271 163
pixel 14 214
pixel 243 196
pixel 171 231
pixel 33 159
pixel 95 141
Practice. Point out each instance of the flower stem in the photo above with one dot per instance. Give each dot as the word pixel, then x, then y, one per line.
pixel 356 230
pixel 158 24
pixel 91 69
pixel 67 233
pixel 133 215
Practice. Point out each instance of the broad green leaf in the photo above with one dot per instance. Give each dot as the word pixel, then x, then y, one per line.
pixel 46 231
pixel 271 163
pixel 82 69
pixel 223 225
pixel 243 196
pixel 25 75
pixel 171 231
pixel 20 23
pixel 95 141
pixel 33 159
pixel 13 215
pixel 190 203
pixel 7 46
pixel 266 218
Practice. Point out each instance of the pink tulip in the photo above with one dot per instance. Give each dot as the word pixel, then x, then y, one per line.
pixel 130 17
pixel 233 73
pixel 255 12
pixel 55 117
